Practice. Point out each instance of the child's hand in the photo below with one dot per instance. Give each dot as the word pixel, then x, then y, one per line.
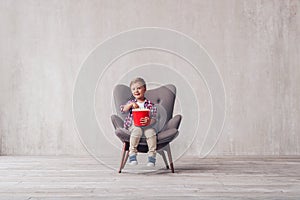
pixel 128 106
pixel 145 121
pixel 134 105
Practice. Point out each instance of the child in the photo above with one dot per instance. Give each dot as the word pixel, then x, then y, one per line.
pixel 138 89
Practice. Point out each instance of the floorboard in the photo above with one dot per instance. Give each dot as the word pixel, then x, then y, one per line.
pixel 30 177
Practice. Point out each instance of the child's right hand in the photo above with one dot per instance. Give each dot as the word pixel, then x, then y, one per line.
pixel 128 106
pixel 134 105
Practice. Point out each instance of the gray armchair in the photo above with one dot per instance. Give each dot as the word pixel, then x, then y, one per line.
pixel 167 125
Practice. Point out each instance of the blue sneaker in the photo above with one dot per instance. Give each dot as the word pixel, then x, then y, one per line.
pixel 151 161
pixel 133 160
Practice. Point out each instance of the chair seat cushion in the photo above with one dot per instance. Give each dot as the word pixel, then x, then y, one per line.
pixel 162 137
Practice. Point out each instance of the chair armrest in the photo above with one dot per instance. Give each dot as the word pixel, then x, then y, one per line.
pixel 117 121
pixel 173 123
pixel 167 135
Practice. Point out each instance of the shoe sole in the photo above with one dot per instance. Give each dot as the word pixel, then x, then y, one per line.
pixel 133 163
pixel 150 164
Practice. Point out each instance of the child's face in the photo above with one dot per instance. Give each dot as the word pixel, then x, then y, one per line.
pixel 138 90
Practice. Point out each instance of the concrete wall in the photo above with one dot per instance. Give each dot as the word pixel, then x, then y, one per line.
pixel 255 45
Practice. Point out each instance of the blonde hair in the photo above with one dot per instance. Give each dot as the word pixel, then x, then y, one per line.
pixel 138 80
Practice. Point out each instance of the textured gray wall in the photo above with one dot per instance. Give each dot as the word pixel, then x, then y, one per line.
pixel 255 44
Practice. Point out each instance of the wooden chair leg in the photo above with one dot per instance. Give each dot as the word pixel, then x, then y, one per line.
pixel 168 149
pixel 123 156
pixel 162 153
pixel 125 159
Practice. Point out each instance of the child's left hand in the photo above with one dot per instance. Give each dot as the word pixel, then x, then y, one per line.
pixel 145 121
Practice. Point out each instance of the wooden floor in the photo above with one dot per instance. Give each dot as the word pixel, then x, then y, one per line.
pixel 211 178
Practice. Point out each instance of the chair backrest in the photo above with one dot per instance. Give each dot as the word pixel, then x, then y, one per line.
pixel 163 97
